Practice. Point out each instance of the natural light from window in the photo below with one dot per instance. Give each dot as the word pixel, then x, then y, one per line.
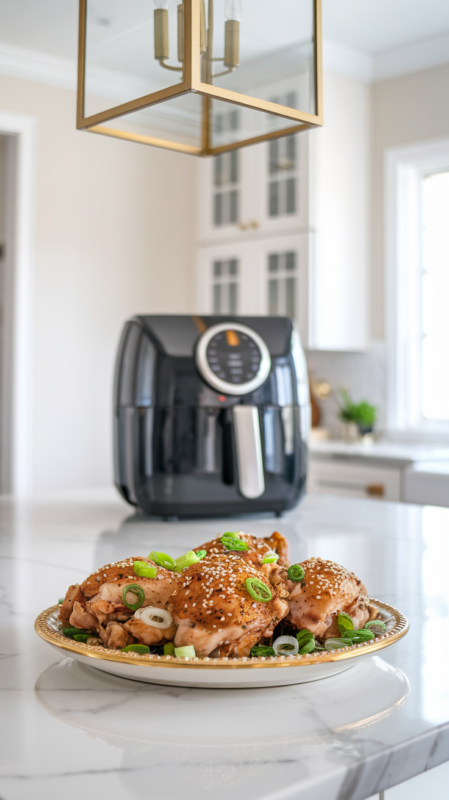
pixel 435 297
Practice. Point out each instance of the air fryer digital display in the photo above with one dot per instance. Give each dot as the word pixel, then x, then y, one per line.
pixel 233 356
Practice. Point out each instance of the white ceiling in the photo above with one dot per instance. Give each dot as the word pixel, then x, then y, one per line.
pixel 370 29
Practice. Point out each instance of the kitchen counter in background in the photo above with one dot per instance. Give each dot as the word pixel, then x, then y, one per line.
pixel 69 731
pixel 385 470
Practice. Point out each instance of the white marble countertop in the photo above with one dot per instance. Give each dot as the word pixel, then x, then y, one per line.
pixel 401 453
pixel 69 731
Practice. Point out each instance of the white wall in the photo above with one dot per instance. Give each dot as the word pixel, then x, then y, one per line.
pixel 114 224
pixel 414 108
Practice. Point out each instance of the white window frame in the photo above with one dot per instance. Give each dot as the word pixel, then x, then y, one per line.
pixel 404 169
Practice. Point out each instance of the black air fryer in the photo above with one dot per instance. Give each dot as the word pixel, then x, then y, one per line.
pixel 211 415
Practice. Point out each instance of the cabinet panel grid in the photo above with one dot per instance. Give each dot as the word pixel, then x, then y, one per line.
pixel 225 286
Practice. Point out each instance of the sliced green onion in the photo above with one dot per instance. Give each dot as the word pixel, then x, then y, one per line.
pixel 60 601
pixel 309 647
pixel 336 644
pixel 136 648
pixel 285 646
pixel 318 648
pixel 258 590
pixel 81 637
pixel 360 635
pixel 344 622
pixel 233 543
pixel 162 559
pixel 295 573
pixel 186 560
pixel 270 558
pixel 376 623
pixel 231 535
pixel 185 652
pixel 71 631
pixel 304 636
pixel 201 554
pixel 144 570
pixel 169 649
pixel 262 651
pixel 138 591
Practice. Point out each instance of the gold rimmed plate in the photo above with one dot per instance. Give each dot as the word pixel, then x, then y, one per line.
pixel 222 672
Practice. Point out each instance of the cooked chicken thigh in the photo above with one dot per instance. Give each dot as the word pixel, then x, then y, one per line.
pixel 258 547
pixel 327 589
pixel 214 610
pixel 98 603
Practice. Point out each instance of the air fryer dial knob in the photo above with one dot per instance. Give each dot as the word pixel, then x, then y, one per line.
pixel 232 358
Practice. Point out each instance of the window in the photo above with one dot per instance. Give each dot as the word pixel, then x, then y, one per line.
pixel 435 296
pixel 282 284
pixel 225 286
pixel 417 274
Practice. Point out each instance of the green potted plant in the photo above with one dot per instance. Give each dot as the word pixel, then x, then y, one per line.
pixel 363 415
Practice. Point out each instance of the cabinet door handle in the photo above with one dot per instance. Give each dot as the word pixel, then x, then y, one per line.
pixel 246 226
pixel 375 490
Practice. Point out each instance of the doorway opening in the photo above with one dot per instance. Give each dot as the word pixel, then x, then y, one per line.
pixel 17 171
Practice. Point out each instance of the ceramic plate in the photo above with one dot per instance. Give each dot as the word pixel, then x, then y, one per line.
pixel 221 673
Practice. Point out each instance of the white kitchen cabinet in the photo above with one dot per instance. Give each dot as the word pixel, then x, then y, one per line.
pixel 334 476
pixel 259 190
pixel 268 276
pixel 313 185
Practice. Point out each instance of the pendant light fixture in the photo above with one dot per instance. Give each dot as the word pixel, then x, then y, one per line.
pixel 199 76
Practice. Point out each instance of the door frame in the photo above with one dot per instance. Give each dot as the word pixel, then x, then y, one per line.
pixel 16 408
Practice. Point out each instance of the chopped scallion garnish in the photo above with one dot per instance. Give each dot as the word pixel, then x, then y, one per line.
pixel 258 590
pixel 232 541
pixel 344 622
pixel 162 559
pixel 295 573
pixel 169 649
pixel 261 651
pixel 201 554
pixel 270 558
pixel 137 591
pixel 144 570
pixel 376 623
pixel 185 652
pixel 186 560
pixel 337 644
pixel 142 649
pixel 286 646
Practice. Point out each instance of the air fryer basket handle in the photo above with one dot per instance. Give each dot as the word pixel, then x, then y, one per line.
pixel 249 451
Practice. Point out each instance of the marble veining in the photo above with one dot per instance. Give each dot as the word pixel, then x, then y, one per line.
pixel 69 730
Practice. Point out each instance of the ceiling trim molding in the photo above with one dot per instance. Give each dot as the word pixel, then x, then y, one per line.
pixel 413 58
pixel 39 67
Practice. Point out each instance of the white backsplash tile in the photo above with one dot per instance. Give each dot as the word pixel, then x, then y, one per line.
pixel 362 374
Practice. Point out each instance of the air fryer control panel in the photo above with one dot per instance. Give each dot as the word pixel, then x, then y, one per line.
pixel 232 358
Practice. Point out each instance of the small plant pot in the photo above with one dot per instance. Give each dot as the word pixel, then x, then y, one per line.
pixel 350 432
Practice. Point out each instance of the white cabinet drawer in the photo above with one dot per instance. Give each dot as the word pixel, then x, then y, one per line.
pixel 335 476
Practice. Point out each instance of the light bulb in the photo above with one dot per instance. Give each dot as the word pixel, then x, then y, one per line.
pixel 161 3
pixel 233 10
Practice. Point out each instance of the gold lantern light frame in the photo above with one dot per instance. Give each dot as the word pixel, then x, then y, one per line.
pixel 191 82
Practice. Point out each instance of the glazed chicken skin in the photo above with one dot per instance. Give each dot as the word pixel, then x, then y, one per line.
pixel 327 589
pixel 258 548
pixel 215 612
